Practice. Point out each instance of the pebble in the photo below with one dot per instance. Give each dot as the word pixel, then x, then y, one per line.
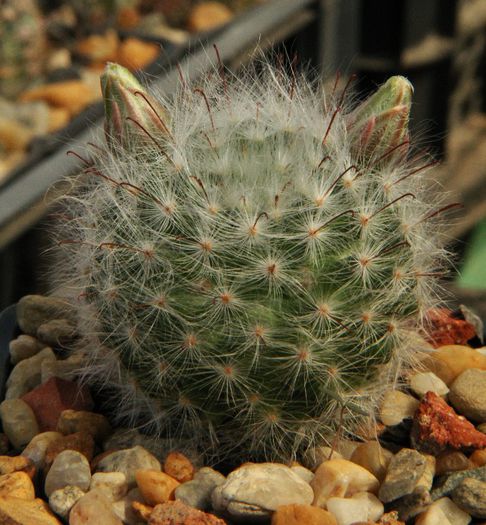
pixel 176 513
pixel 113 484
pixel 69 468
pixel 35 310
pixel 449 361
pixel 397 406
pixel 16 511
pixel 302 514
pixel 155 486
pixel 304 473
pixel 56 332
pixel 468 394
pixel 37 447
pixel 404 471
pixel 470 496
pixel 451 461
pixel 62 500
pixel 17 485
pixel 436 427
pixel 314 456
pixel 18 421
pixel 23 347
pixel 255 490
pixel 197 492
pixel 123 438
pixel 341 478
pixel 94 508
pixel 10 464
pixel 454 479
pixel 4 444
pixel 361 506
pixel 55 395
pixel 208 15
pixel 26 375
pixel 129 461
pixel 80 442
pixel 123 508
pixel 445 509
pixel 412 504
pixel 424 382
pixel 478 458
pixel 63 368
pixel 427 477
pixel 373 457
pixel 72 421
pixel 482 428
pixel 178 467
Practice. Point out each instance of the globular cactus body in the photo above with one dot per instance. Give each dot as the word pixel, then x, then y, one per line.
pixel 251 259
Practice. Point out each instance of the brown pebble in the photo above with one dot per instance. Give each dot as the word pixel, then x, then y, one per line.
pixel 79 441
pixel 72 421
pixel 478 457
pixel 178 467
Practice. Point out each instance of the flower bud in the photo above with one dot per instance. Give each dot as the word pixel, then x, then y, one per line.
pixel 132 117
pixel 379 125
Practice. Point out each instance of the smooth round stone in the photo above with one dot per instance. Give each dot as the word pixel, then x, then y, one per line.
pixel 129 461
pixel 155 486
pixel 23 347
pixel 360 507
pixel 373 457
pixel 18 421
pixel 341 478
pixel 397 406
pixel 123 508
pixel 470 496
pixel 304 473
pixel 424 382
pixel 94 508
pixel 179 467
pixel 445 509
pixel 26 375
pixel 468 394
pixel 113 484
pixel 37 447
pixel 478 458
pixel 35 310
pixel 317 455
pixel 197 492
pixel 62 500
pixel 450 361
pixel 302 515
pixel 69 468
pixel 255 490
pixel 17 485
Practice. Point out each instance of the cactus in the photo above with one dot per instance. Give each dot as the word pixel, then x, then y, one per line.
pixel 23 45
pixel 252 259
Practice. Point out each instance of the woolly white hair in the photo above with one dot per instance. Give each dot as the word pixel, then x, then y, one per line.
pixel 250 272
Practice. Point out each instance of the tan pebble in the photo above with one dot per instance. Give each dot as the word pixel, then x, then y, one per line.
pixel 18 485
pixel 373 457
pixel 73 95
pixel 178 467
pixel 10 464
pixel 341 478
pixel 302 514
pixel 112 484
pixel 156 487
pixel 72 421
pixel 13 135
pixel 136 54
pixel 478 457
pixel 92 509
pixel 141 510
pixel 38 445
pixel 17 511
pixel 396 406
pixel 451 461
pixel 79 441
pixel 447 362
pixel 313 457
pixel 58 118
pixel 99 48
pixel 208 15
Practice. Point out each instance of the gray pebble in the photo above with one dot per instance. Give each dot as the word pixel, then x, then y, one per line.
pixel 468 394
pixel 68 468
pixel 62 500
pixel 455 479
pixel 35 310
pixel 197 492
pixel 404 471
pixel 470 496
pixel 26 375
pixel 18 421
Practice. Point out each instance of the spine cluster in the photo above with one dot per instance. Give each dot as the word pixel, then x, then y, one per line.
pixel 251 257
